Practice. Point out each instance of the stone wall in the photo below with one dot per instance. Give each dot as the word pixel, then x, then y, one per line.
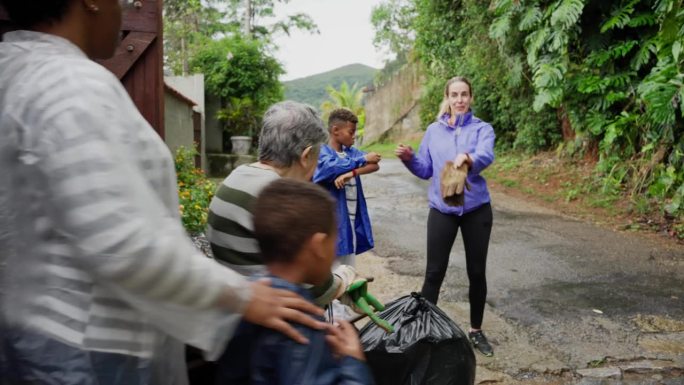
pixel 192 87
pixel 392 110
pixel 220 165
pixel 178 126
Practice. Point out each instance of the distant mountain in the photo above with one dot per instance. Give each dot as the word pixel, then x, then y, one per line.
pixel 311 89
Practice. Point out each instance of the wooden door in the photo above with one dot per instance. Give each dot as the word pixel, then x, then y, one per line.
pixel 138 60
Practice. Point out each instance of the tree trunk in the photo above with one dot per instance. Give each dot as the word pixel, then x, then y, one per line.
pixel 566 126
pixel 247 23
pixel 184 57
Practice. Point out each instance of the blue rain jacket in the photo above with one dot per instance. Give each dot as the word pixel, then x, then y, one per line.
pixel 330 166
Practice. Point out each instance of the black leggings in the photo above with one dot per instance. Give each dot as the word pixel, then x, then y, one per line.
pixel 476 227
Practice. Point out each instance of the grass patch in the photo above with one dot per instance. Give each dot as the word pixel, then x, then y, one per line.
pixel 597 363
pixel 386 149
pixel 509 182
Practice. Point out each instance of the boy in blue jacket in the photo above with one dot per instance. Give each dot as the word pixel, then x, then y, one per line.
pixel 294 224
pixel 339 168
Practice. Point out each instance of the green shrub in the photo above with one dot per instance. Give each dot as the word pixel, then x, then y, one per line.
pixel 194 191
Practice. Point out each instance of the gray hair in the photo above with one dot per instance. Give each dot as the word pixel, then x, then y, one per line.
pixel 288 128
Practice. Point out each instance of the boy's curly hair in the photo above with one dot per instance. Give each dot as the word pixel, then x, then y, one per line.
pixel 287 214
pixel 341 115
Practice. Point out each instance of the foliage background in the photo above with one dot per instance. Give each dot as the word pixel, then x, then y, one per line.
pixel 595 80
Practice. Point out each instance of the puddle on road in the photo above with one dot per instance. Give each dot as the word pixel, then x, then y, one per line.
pixel 613 296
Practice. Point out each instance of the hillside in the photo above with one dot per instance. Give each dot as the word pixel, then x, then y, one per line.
pixel 311 89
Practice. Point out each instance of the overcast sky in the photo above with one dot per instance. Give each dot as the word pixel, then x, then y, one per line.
pixel 346 37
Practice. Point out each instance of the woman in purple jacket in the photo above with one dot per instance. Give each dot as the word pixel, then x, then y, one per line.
pixel 460 137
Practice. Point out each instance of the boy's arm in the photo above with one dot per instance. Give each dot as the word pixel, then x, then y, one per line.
pixel 367 169
pixel 330 166
pixel 370 167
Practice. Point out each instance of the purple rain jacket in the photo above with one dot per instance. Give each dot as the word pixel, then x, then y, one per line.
pixel 441 143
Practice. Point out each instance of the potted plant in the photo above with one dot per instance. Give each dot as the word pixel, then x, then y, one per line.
pixel 240 119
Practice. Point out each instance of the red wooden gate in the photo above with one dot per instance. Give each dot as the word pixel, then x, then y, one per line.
pixel 138 59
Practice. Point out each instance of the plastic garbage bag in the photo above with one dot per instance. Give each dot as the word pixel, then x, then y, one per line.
pixel 426 348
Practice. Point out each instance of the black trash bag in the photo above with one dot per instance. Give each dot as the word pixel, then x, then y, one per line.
pixel 426 348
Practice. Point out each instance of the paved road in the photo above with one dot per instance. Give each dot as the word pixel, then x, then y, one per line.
pixel 568 302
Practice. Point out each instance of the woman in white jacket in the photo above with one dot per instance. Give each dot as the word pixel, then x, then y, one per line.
pixel 98 272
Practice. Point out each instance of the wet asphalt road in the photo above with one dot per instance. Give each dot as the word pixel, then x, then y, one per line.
pixel 576 295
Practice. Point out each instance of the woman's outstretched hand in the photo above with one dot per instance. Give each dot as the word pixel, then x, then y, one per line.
pixel 275 308
pixel 405 153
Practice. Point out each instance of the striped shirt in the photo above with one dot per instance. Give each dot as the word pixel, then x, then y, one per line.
pixel 93 250
pixel 230 228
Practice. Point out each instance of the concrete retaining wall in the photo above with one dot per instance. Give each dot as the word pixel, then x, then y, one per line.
pixel 392 110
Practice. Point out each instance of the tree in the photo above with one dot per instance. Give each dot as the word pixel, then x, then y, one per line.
pixel 255 13
pixel 244 75
pixel 187 25
pixel 347 97
pixel 393 24
pixel 394 33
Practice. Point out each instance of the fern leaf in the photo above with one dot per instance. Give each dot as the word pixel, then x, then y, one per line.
pixel 620 17
pixel 515 72
pixel 501 6
pixel 549 75
pixel 500 27
pixel 643 55
pixel 642 20
pixel 534 42
pixel 551 97
pixel 567 13
pixel 540 100
pixel 589 84
pixel 664 6
pixel 530 19
pixel 658 94
pixel 615 51
pixel 596 122
pixel 558 40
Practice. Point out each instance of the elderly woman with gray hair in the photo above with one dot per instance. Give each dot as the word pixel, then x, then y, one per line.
pixel 290 140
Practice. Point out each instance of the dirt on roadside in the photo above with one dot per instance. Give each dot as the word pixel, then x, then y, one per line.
pixel 570 187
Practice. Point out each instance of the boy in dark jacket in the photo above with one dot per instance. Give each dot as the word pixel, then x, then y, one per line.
pixel 295 226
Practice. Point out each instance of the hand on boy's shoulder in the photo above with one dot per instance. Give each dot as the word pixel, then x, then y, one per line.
pixel 275 308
